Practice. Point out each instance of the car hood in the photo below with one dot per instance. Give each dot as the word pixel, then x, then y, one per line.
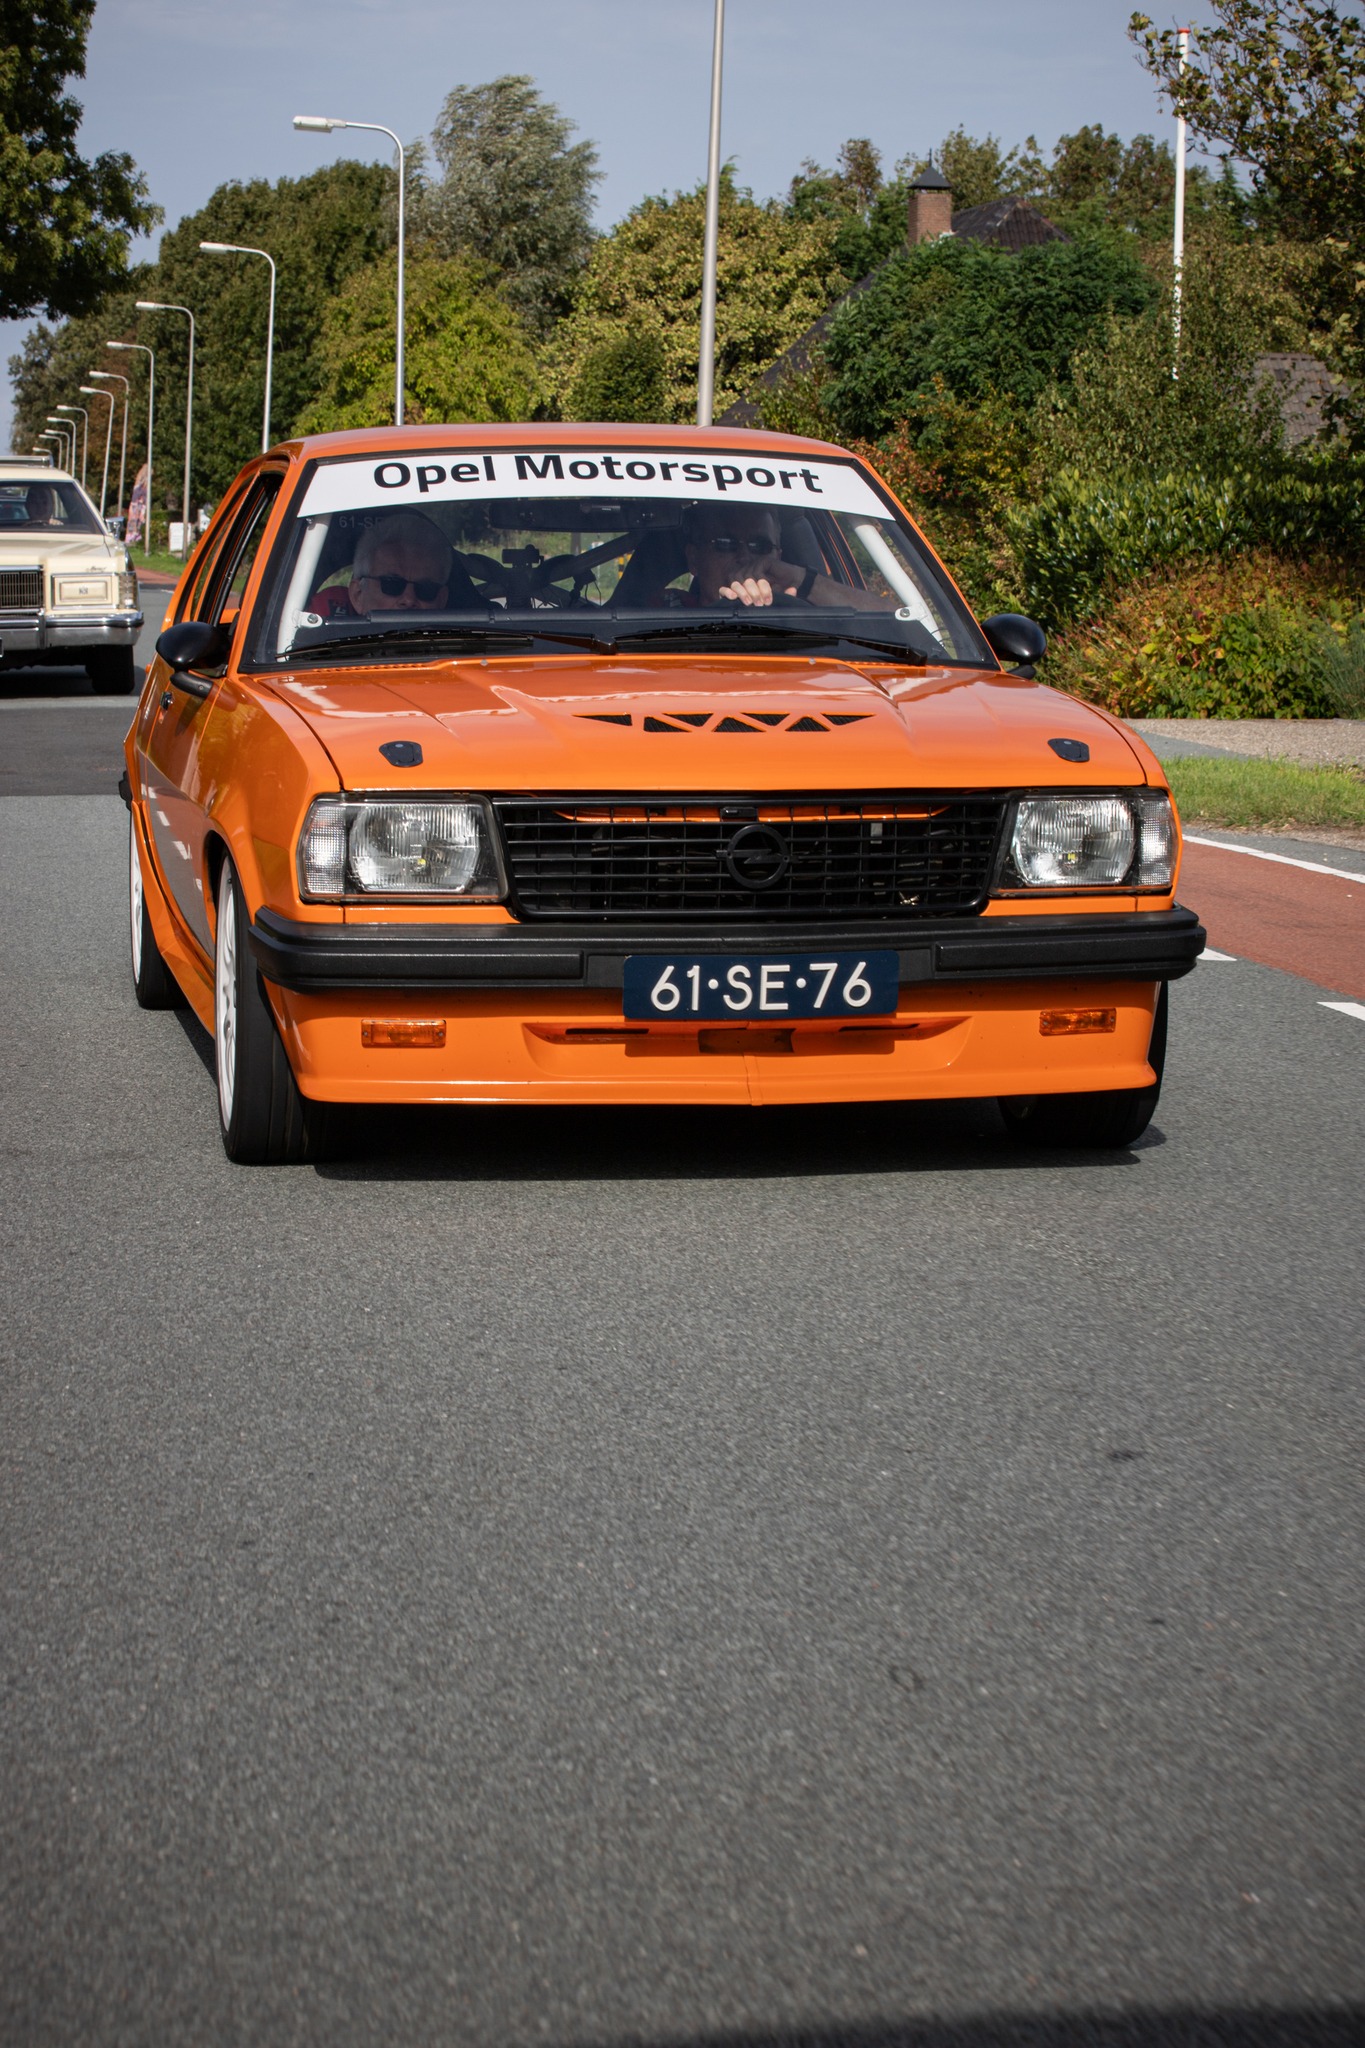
pixel 60 550
pixel 664 724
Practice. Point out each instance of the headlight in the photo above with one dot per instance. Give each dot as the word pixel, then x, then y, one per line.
pixel 392 846
pixel 1092 842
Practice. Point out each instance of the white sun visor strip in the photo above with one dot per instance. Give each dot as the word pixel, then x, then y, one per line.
pixel 718 476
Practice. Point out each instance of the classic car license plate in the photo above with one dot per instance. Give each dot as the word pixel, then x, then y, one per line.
pixel 738 985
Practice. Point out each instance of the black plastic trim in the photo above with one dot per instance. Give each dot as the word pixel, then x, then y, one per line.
pixel 1141 945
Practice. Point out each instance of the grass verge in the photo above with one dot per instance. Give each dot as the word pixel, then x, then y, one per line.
pixel 167 565
pixel 1259 794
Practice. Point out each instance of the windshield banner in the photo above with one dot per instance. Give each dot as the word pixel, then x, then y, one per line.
pixel 619 473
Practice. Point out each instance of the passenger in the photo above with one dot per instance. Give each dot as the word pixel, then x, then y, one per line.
pixel 404 564
pixel 40 506
pixel 735 555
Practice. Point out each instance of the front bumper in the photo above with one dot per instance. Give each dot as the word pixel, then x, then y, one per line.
pixel 43 632
pixel 1158 945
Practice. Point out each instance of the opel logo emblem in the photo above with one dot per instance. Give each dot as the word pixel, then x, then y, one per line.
pixel 757 857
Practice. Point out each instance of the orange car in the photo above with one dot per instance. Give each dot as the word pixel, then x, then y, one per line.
pixel 626 764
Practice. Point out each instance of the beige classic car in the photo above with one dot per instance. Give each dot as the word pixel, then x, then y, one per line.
pixel 68 591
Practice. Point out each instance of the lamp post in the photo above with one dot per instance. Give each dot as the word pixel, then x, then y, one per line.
pixel 61 447
pixel 239 249
pixel 115 377
pixel 323 124
pixel 1178 239
pixel 85 442
pixel 93 391
pixel 68 447
pixel 141 348
pixel 706 363
pixel 155 306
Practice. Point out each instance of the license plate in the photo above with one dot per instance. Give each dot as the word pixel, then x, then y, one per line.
pixel 738 985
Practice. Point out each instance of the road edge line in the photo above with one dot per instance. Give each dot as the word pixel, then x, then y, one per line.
pixel 1283 860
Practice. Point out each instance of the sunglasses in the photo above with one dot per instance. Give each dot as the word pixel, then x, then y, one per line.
pixel 756 544
pixel 422 587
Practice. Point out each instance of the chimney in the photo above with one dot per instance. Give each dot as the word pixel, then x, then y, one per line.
pixel 931 206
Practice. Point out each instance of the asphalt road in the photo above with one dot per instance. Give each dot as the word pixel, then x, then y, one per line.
pixel 666 1577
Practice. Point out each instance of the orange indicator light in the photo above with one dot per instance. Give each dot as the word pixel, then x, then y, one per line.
pixel 402 1031
pixel 1067 1023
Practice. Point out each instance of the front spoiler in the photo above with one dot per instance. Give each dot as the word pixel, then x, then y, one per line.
pixel 1141 945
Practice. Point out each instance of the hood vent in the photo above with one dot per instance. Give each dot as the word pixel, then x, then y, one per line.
pixel 750 721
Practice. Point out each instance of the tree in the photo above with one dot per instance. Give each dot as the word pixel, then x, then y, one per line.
pixel 320 229
pixel 776 275
pixel 514 193
pixel 975 317
pixel 1280 84
pixel 65 223
pixel 467 355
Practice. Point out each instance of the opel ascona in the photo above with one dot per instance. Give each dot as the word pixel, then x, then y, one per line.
pixel 631 765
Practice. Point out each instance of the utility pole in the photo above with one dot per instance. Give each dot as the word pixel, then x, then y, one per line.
pixel 706 362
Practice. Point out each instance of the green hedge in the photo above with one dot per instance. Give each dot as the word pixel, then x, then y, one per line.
pixel 1085 535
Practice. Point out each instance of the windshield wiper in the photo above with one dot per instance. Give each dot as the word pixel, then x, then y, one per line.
pixel 802 635
pixel 477 638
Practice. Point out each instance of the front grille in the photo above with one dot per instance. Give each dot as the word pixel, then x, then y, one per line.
pixel 660 858
pixel 21 590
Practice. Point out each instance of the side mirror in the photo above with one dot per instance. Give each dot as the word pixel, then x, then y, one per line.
pixel 1012 638
pixel 194 644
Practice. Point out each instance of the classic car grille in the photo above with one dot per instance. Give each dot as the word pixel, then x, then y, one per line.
pixel 21 590
pixel 745 859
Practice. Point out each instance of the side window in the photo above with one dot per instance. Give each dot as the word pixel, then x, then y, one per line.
pixel 241 550
pixel 221 577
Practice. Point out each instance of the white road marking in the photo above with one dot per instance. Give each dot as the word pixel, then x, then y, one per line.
pixel 1211 953
pixel 1282 860
pixel 1346 1009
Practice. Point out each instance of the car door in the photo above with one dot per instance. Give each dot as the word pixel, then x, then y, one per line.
pixel 181 721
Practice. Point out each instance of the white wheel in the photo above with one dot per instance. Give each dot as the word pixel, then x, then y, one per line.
pixel 153 983
pixel 225 995
pixel 265 1121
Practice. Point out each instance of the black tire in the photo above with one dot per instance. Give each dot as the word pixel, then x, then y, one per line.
pixel 1109 1120
pixel 111 671
pixel 264 1119
pixel 155 987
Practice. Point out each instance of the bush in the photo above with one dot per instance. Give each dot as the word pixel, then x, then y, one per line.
pixel 975 316
pixel 1228 639
pixel 1087 535
pixel 1340 649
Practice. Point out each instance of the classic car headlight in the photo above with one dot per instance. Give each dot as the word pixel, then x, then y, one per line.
pixel 393 846
pixel 1092 842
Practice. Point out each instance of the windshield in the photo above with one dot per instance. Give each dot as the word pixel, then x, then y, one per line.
pixel 425 553
pixel 46 508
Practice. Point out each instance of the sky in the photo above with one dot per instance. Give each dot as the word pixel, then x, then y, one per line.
pixel 200 91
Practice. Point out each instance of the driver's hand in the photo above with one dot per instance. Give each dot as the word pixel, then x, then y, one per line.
pixel 754 590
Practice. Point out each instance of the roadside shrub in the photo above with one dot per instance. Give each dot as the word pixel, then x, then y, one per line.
pixel 1340 650
pixel 1228 639
pixel 1086 534
pixel 975 316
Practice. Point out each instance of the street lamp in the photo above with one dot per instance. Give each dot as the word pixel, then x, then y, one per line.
pixel 155 306
pixel 93 391
pixel 68 447
pixel 115 377
pixel 85 443
pixel 61 447
pixel 706 364
pixel 323 124
pixel 141 348
pixel 239 249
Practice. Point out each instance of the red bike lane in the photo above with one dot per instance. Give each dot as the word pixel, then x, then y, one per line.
pixel 1306 922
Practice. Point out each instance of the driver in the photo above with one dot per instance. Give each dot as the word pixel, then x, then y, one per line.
pixel 735 555
pixel 403 564
pixel 40 505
